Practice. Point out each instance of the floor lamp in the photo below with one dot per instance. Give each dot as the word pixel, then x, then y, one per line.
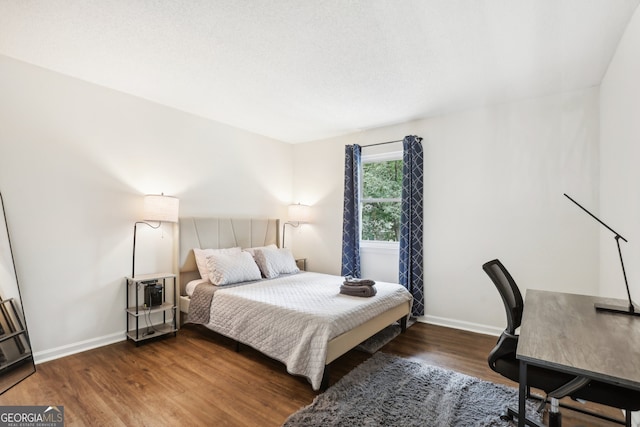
pixel 298 214
pixel 157 208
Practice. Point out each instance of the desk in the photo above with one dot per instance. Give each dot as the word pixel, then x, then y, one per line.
pixel 565 333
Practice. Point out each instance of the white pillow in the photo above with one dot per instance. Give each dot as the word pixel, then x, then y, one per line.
pixel 252 251
pixel 273 262
pixel 225 269
pixel 201 258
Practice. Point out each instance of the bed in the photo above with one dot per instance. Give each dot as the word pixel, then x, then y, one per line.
pixel 299 319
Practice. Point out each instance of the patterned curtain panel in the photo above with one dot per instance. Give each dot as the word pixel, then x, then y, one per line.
pixel 412 222
pixel 351 216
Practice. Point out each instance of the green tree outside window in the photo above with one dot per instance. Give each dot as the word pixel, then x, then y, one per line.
pixel 381 200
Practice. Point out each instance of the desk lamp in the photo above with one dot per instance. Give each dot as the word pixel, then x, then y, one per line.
pixel 630 310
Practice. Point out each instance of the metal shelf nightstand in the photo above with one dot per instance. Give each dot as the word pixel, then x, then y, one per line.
pixel 155 290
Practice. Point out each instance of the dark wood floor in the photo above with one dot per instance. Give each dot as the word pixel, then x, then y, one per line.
pixel 197 379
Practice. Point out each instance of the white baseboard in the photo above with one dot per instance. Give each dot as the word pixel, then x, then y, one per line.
pixel 67 350
pixel 461 324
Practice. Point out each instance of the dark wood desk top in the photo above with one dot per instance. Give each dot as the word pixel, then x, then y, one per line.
pixel 564 332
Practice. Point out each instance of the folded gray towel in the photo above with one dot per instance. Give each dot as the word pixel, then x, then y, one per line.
pixel 350 281
pixel 358 291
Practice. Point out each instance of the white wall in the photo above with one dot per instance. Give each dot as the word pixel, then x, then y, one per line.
pixel 75 161
pixel 619 170
pixel 494 184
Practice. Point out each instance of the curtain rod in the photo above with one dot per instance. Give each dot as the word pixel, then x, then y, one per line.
pixel 381 143
pixel 388 142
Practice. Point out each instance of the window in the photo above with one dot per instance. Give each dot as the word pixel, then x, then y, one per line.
pixel 381 197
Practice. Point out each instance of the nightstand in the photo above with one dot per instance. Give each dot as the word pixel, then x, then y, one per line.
pixel 154 299
pixel 302 264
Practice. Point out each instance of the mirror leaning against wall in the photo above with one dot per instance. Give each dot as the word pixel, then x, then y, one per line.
pixel 16 358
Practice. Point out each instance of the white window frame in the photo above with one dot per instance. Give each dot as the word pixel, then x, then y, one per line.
pixel 378 245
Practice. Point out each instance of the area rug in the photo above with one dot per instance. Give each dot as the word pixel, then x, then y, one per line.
pixel 387 390
pixel 379 340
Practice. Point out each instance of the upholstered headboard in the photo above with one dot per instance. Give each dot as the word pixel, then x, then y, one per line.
pixel 216 233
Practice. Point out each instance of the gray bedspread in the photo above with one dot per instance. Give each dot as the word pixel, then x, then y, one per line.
pixel 200 304
pixel 292 318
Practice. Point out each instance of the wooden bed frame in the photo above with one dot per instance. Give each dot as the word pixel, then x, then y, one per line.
pixel 218 233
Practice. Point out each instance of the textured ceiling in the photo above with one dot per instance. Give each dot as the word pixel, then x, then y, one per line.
pixel 300 70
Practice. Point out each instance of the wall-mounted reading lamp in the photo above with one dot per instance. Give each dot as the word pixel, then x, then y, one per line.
pixel 298 214
pixel 157 208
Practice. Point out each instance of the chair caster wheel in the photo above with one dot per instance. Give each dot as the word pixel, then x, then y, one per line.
pixel 505 416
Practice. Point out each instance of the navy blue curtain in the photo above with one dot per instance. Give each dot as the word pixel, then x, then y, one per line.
pixel 412 222
pixel 351 215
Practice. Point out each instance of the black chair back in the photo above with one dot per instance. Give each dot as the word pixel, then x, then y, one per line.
pixel 511 296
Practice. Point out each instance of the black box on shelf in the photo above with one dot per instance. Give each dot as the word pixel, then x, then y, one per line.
pixel 152 294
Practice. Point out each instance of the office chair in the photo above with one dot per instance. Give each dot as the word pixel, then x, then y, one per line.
pixel 502 359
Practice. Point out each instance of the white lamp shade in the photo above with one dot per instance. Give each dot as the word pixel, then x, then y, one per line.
pixel 161 208
pixel 299 213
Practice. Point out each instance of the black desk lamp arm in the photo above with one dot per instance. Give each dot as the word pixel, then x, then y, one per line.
pixel 624 273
